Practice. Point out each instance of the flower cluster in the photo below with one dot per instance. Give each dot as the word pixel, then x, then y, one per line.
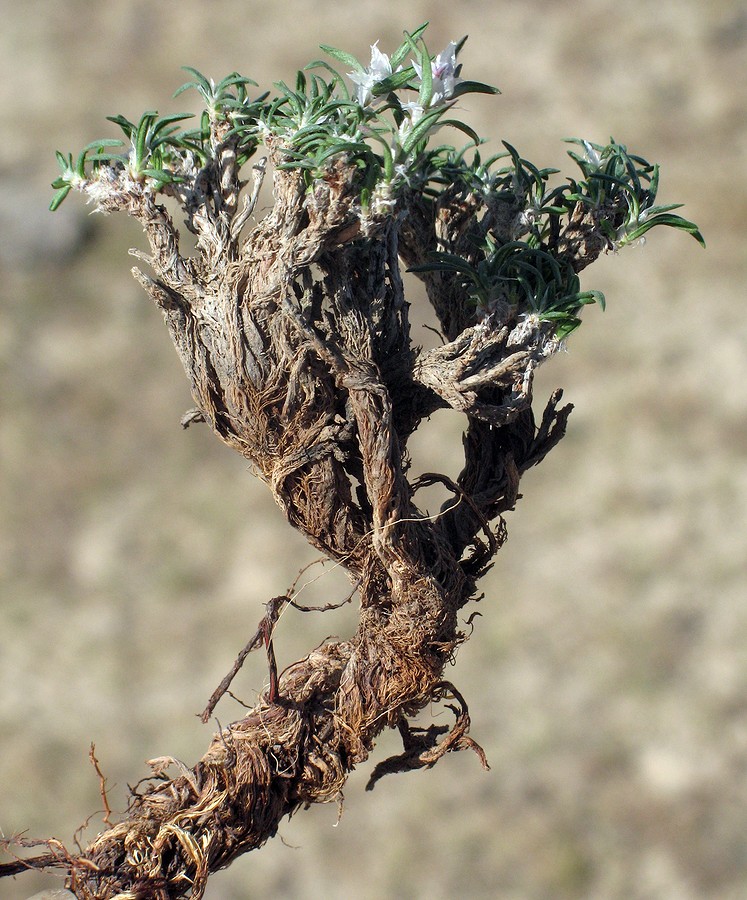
pixel 442 73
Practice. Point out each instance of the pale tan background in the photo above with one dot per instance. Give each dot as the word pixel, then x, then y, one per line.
pixel 607 676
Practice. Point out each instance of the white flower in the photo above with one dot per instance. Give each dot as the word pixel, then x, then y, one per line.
pixel 444 68
pixel 379 69
pixel 592 155
pixel 413 114
pixel 414 111
pixel 443 73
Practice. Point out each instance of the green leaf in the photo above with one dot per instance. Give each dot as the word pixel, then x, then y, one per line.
pixel 168 120
pixel 59 196
pixel 568 326
pixel 104 142
pixel 586 297
pixel 388 158
pixel 337 80
pixel 343 57
pixel 128 127
pixel 234 79
pixel 162 176
pixel 428 122
pixel 140 142
pixel 350 147
pixel 399 55
pixel 393 82
pixel 663 219
pixel 464 128
pixel 653 187
pixel 205 126
pixel 448 262
pixel 426 84
pixel 473 87
pixel 65 163
pixel 655 210
pixel 202 84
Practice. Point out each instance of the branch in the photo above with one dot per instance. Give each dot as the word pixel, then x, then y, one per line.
pixel 494 360
pixel 262 635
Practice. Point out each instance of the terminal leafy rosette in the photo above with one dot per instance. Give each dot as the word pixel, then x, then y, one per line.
pixel 381 120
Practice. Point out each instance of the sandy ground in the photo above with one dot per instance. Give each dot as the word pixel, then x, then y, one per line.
pixel 607 676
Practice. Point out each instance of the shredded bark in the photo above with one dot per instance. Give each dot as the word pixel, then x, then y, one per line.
pixel 295 338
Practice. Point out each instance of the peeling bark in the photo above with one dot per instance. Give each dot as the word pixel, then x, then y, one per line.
pixel 295 340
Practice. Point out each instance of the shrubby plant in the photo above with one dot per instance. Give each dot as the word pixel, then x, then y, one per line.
pixel 293 329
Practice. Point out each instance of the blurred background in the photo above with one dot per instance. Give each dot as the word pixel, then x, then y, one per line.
pixel 607 676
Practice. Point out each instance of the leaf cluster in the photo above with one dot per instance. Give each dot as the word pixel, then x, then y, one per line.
pixel 518 279
pixel 617 180
pixel 381 119
pixel 317 119
pixel 525 273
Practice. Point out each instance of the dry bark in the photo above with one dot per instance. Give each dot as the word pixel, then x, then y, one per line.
pixel 296 342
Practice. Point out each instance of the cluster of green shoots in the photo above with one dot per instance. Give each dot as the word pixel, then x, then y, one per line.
pixel 381 119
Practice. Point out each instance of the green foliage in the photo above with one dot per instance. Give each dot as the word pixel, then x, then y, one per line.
pixel 229 110
pixel 522 279
pixel 380 119
pixel 615 179
pixel 618 191
pixel 229 92
pixel 74 174
pixel 153 142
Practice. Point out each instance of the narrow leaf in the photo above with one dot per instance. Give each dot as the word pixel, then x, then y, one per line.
pixel 473 87
pixel 343 57
pixel 59 197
